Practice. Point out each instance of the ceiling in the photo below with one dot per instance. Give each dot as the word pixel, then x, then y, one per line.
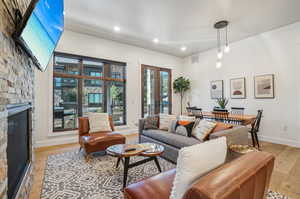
pixel 177 23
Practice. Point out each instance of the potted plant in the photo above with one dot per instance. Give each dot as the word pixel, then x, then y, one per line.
pixel 222 102
pixel 181 85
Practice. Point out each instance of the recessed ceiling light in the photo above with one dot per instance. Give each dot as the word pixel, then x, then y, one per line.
pixel 155 40
pixel 183 48
pixel 117 28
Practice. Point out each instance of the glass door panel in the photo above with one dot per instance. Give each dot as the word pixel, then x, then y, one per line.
pixel 149 92
pixel 156 95
pixel 164 92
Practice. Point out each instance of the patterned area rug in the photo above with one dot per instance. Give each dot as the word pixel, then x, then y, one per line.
pixel 68 176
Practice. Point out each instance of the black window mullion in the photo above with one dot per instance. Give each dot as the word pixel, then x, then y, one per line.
pixel 79 76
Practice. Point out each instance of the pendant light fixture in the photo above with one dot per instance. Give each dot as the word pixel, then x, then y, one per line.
pixel 219 26
pixel 226 48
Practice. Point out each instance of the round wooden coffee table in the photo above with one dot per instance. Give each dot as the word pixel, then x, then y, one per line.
pixel 125 151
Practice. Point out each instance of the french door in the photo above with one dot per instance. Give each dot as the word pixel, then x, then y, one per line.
pixel 156 90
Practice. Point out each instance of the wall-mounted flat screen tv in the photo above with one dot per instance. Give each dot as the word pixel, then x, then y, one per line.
pixel 40 30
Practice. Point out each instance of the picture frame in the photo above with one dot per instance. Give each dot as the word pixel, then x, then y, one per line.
pixel 264 86
pixel 238 88
pixel 217 89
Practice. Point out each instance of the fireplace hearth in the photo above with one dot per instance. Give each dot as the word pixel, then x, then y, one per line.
pixel 18 146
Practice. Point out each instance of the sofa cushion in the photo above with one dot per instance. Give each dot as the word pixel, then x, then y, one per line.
pixel 165 121
pixel 151 122
pixel 172 139
pixel 194 162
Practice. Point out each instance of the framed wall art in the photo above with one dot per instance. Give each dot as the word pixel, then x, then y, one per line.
pixel 238 88
pixel 216 89
pixel 264 87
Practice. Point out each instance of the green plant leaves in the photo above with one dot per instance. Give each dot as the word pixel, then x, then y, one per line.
pixel 222 102
pixel 181 85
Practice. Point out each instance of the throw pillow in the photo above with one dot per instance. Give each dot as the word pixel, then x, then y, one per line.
pixel 181 130
pixel 99 122
pixel 184 128
pixel 151 122
pixel 186 118
pixel 202 129
pixel 165 121
pixel 221 127
pixel 195 161
pixel 172 127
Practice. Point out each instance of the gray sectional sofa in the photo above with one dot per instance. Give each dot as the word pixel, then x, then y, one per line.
pixel 174 142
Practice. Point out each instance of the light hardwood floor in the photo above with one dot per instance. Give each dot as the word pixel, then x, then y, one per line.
pixel 285 178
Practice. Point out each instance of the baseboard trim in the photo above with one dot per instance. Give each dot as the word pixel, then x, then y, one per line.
pixel 59 140
pixel 279 141
pixel 56 141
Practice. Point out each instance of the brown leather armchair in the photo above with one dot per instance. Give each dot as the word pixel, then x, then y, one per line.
pixel 99 141
pixel 246 177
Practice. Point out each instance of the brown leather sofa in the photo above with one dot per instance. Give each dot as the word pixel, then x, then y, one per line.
pixel 246 177
pixel 99 141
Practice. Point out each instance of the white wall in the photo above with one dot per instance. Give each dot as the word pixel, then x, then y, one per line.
pixel 275 52
pixel 80 44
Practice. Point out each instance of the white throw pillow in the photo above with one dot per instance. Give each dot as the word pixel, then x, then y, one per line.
pixel 195 161
pixel 99 122
pixel 186 118
pixel 165 121
pixel 202 129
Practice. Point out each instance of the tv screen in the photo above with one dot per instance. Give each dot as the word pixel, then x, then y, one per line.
pixel 41 30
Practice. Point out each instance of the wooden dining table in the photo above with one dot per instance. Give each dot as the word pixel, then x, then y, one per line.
pixel 245 119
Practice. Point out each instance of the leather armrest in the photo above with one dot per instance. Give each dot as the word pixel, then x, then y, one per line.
pixel 158 186
pixel 247 177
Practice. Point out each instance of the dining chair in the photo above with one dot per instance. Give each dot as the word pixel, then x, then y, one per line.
pixel 189 109
pixel 197 112
pixel 221 116
pixel 237 110
pixel 255 129
pixel 235 121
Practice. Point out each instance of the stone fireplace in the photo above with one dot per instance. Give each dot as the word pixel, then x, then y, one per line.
pixel 16 87
pixel 18 150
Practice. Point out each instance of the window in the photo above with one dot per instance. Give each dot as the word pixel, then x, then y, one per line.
pixel 94 99
pixel 82 85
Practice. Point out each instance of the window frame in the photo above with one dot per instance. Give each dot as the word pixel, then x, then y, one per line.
pixel 81 77
pixel 94 95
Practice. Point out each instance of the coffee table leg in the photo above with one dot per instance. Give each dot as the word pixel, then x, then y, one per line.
pixel 118 162
pixel 126 167
pixel 157 164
